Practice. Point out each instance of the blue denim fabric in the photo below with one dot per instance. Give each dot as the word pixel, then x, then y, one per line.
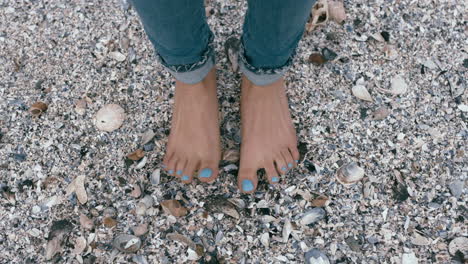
pixel 184 43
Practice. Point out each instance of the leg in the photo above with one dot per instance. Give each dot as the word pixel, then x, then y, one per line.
pixel 182 40
pixel 272 31
pixel 180 35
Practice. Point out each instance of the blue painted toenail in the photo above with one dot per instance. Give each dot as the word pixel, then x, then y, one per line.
pixel 163 166
pixel 185 178
pixel 284 169
pixel 170 171
pixel 179 172
pixel 275 179
pixel 290 165
pixel 297 161
pixel 247 185
pixel 205 173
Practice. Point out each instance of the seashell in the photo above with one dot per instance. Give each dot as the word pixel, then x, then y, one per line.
pixel 109 222
pixel 317 59
pixel 336 11
pixel 140 229
pixel 463 107
pixel 320 201
pixel 390 52
pixel 231 48
pixel 136 155
pixel 329 54
pixel 315 256
pixel 155 177
pixel 287 229
pixel 361 92
pixel 398 86
pixel 420 240
pixel 173 207
pixel 219 204
pixel 350 173
pixel 142 163
pixel 127 243
pixel 117 56
pixel 409 258
pixel 380 113
pixel 85 222
pixel 110 117
pixel 110 212
pixel 80 245
pixel 231 155
pixel 265 239
pixel 77 186
pixel 80 106
pixel 377 36
pixel 459 244
pixel 139 259
pixel 312 216
pixel 319 15
pixel 147 136
pixel 38 108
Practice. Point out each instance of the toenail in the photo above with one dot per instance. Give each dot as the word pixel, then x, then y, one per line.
pixel 185 178
pixel 179 172
pixel 205 173
pixel 275 179
pixel 163 166
pixel 297 161
pixel 170 171
pixel 284 169
pixel 290 165
pixel 247 185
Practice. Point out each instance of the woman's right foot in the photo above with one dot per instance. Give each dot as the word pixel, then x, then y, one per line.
pixel 194 143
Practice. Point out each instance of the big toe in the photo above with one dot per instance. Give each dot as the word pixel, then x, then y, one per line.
pixel 247 180
pixel 208 172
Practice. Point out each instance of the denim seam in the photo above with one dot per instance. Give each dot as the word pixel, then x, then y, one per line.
pixel 207 55
pixel 265 71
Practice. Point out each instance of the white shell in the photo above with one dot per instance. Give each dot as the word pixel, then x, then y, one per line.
pixel 127 243
pixel 361 92
pixel 337 11
pixel 409 258
pixel 315 256
pixel 287 229
pixel 110 117
pixel 117 56
pixel 458 244
pixel 463 107
pixel 312 216
pixel 155 177
pixel 399 85
pixel 265 239
pixel 350 173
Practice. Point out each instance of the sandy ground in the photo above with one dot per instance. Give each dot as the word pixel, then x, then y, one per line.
pixel 410 139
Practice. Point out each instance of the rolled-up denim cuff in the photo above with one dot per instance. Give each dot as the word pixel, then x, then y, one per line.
pixel 194 72
pixel 262 76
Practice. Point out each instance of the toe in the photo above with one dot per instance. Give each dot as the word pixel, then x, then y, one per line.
pixel 208 171
pixel 247 180
pixel 167 159
pixel 179 168
pixel 271 173
pixel 171 166
pixel 288 158
pixel 188 172
pixel 281 165
pixel 294 153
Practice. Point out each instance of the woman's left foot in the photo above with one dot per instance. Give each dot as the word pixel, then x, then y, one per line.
pixel 268 136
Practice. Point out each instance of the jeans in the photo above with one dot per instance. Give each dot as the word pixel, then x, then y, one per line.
pixel 183 40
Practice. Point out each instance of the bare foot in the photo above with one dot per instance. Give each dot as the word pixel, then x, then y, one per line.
pixel 268 135
pixel 194 144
